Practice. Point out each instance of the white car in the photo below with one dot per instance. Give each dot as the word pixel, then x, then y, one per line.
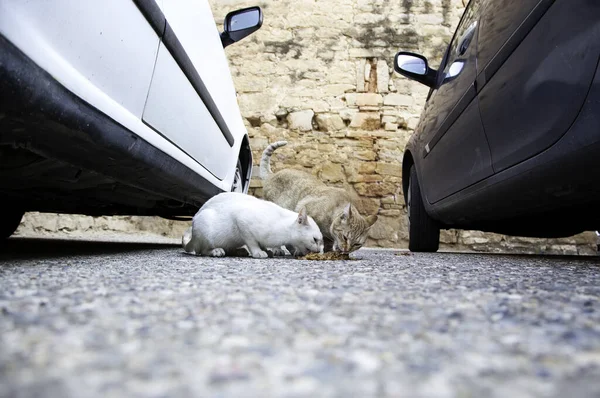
pixel 118 107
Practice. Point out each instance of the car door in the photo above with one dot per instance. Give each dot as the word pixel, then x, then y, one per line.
pixel 533 87
pixel 456 153
pixel 192 100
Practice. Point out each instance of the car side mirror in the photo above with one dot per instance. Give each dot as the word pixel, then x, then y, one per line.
pixel 241 23
pixel 414 66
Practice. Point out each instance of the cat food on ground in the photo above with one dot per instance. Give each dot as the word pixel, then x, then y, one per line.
pixel 326 256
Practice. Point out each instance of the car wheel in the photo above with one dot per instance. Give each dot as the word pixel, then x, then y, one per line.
pixel 423 231
pixel 9 221
pixel 238 181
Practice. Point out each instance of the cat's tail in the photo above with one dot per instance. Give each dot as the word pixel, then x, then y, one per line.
pixel 186 239
pixel 265 160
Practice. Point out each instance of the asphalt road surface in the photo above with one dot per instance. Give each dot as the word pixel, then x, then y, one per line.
pixel 91 319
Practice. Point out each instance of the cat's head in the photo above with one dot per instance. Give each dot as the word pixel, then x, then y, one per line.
pixel 349 229
pixel 306 236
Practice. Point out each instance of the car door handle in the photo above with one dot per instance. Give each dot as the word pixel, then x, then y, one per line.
pixel 466 39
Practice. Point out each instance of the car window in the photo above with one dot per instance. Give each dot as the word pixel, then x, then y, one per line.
pixel 498 22
pixel 466 28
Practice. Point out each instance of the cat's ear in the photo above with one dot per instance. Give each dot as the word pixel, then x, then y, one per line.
pixel 371 220
pixel 347 214
pixel 302 217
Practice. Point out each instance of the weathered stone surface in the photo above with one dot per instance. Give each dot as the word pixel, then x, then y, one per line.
pixel 398 100
pixel 327 122
pixel 369 206
pixel 332 172
pixel 389 118
pixel 377 189
pixel 360 79
pixel 449 236
pixel 383 76
pixel 390 212
pixel 348 114
pixel 364 155
pixel 367 71
pixel 369 99
pixel 390 126
pixel 366 121
pixel 385 228
pixel 301 120
pixel 393 169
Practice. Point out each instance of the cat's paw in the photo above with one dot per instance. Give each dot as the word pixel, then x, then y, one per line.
pixel 278 252
pixel 218 252
pixel 260 254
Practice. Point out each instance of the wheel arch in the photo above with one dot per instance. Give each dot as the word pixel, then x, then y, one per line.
pixel 407 163
pixel 245 157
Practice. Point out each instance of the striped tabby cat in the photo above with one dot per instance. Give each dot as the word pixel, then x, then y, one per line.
pixel 334 210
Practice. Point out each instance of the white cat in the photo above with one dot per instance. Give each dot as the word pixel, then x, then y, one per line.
pixel 231 220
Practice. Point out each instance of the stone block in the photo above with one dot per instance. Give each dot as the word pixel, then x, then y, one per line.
pixel 85 223
pixel 389 118
pixel 258 143
pixel 363 53
pixel 301 120
pixel 449 236
pixel 369 206
pixel 255 183
pixel 66 223
pixel 43 222
pixel 369 108
pixel 366 120
pixel 394 169
pixel 348 114
pixel 388 200
pixel 337 89
pixel 369 99
pixel 478 237
pixel 391 212
pixel 367 74
pixel 350 99
pixel 385 228
pixel 335 104
pixel 365 155
pixel 360 77
pixel 338 157
pixel 326 148
pixel 365 178
pixel 345 143
pixel 332 172
pixel 328 122
pixel 318 105
pixel 383 76
pixel 395 99
pixel 376 189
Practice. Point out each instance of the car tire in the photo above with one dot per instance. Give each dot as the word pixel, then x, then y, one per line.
pixel 423 231
pixel 10 218
pixel 238 180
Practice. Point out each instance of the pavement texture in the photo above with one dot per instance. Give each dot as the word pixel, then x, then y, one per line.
pixel 91 319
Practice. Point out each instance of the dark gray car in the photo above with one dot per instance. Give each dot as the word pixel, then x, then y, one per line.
pixel 509 140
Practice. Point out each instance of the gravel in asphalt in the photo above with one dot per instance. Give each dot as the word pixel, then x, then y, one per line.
pixel 88 319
